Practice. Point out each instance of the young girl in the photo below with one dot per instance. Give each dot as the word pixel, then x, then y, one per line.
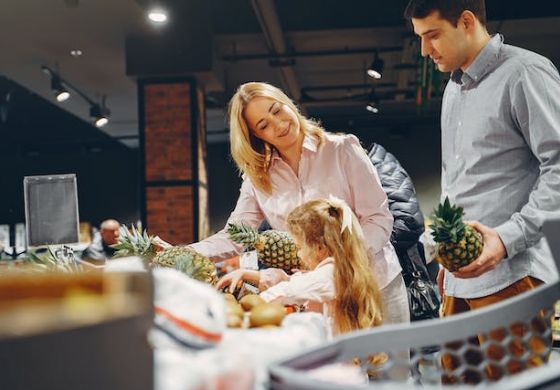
pixel 339 281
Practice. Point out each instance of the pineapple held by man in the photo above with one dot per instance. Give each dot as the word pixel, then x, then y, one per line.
pixel 184 259
pixel 274 249
pixel 459 244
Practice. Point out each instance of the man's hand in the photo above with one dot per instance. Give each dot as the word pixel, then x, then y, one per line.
pixel 493 252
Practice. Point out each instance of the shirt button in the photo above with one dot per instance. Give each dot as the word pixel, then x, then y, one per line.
pixel 456 157
pixel 460 123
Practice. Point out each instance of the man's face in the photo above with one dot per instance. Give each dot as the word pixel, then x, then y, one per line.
pixel 110 234
pixel 445 43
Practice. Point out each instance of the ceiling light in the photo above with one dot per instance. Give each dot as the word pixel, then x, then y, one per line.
pixel 76 53
pixel 376 68
pixel 60 92
pixel 99 113
pixel 157 15
pixel 373 103
pixel 371 107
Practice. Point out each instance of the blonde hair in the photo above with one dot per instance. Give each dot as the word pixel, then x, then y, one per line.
pixel 252 155
pixel 357 304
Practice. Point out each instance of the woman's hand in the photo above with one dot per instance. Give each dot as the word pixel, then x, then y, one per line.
pixel 233 280
pixel 160 244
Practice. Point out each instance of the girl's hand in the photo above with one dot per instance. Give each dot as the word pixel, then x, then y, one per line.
pixel 233 280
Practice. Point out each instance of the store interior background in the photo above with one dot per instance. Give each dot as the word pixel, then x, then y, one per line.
pixel 40 136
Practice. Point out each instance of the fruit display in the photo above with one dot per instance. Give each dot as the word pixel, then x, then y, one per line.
pixel 184 259
pixel 274 249
pixel 458 244
pixel 253 311
pixel 43 260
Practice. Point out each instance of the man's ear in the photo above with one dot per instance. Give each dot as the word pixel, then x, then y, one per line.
pixel 467 20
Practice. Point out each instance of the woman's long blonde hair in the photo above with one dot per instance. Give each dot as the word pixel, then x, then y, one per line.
pixel 252 155
pixel 357 304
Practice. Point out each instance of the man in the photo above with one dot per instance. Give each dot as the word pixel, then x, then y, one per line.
pixel 500 150
pixel 100 248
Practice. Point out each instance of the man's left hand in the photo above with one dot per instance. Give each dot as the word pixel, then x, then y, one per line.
pixel 493 252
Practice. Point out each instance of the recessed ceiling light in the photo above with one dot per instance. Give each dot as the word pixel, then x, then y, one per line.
pixel 76 53
pixel 157 15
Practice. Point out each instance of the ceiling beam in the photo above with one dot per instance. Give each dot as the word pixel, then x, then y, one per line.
pixel 266 14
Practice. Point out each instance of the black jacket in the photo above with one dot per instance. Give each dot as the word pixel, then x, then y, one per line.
pixel 409 221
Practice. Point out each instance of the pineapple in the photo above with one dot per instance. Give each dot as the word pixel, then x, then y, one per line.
pixel 189 262
pixel 182 258
pixel 134 243
pixel 46 260
pixel 459 244
pixel 274 249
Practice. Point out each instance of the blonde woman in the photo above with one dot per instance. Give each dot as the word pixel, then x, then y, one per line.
pixel 286 160
pixel 339 283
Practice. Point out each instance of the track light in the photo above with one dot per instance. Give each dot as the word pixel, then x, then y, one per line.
pixel 375 70
pixel 372 107
pixel 98 112
pixel 373 103
pixel 60 93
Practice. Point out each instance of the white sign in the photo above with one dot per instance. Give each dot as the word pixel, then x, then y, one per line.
pixel 249 260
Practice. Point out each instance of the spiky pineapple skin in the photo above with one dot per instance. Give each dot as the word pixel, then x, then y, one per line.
pixel 456 255
pixel 275 249
pixel 187 261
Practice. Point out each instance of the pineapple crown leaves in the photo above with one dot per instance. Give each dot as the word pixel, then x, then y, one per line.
pixel 448 225
pixel 242 233
pixel 187 264
pixel 134 242
pixel 48 262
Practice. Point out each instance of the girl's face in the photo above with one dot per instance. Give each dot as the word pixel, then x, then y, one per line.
pixel 311 256
pixel 273 122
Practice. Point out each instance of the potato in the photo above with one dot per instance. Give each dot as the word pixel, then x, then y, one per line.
pixel 248 302
pixel 234 321
pixel 267 314
pixel 234 308
pixel 230 297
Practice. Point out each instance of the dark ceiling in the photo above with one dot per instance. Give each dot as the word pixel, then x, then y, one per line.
pixel 285 45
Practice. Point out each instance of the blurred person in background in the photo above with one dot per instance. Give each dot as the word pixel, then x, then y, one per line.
pixel 100 248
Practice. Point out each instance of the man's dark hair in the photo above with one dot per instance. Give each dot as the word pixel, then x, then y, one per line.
pixel 449 10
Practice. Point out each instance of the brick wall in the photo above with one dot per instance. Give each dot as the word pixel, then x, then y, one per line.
pixel 172 160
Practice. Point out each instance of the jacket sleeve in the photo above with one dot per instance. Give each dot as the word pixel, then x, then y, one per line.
pixel 218 246
pixel 403 204
pixel 368 197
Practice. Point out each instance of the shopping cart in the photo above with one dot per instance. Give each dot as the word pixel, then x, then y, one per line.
pixel 505 346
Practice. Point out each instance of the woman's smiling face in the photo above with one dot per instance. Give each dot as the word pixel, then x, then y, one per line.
pixel 273 122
